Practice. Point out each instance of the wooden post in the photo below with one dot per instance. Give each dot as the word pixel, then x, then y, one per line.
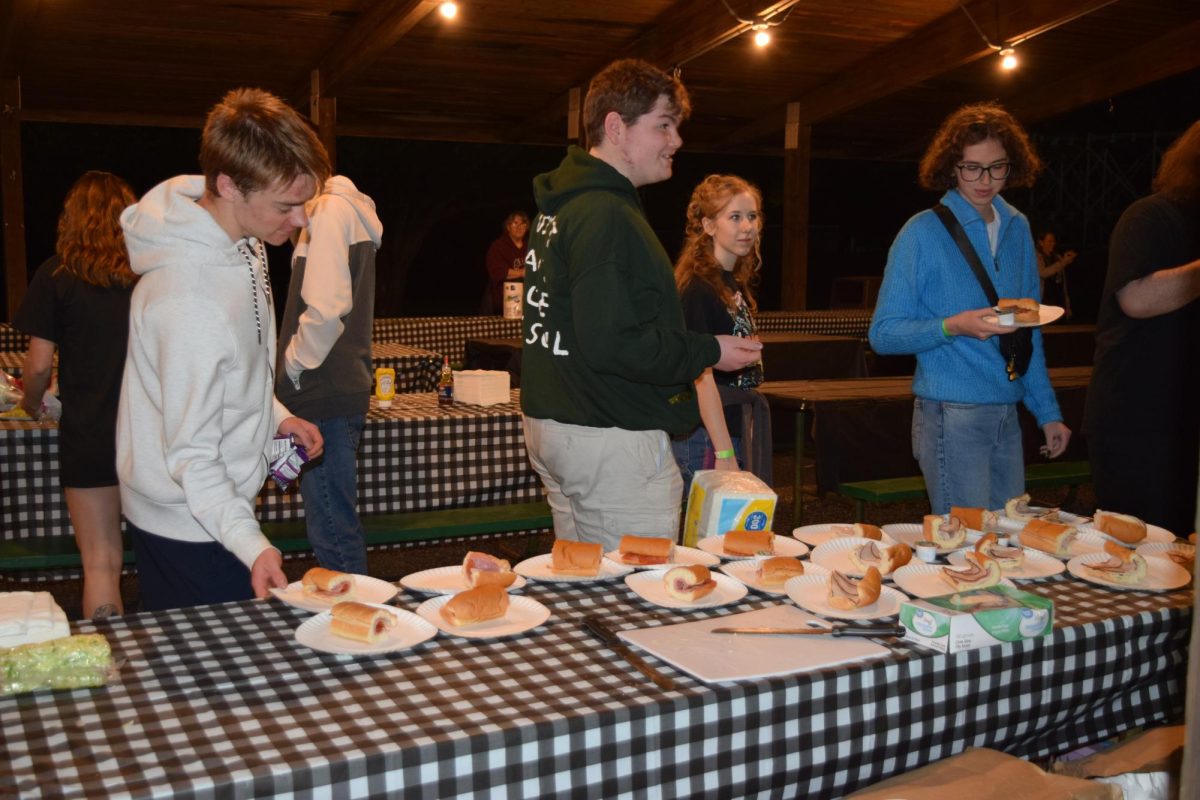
pixel 797 155
pixel 323 112
pixel 575 132
pixel 15 270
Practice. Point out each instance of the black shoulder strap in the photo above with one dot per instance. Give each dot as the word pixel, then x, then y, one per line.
pixel 964 244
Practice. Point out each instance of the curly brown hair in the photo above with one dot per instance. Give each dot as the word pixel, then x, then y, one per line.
pixel 1179 173
pixel 696 259
pixel 91 245
pixel 970 125
pixel 631 88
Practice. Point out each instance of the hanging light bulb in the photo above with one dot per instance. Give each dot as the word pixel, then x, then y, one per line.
pixel 762 37
pixel 1008 58
pixel 448 9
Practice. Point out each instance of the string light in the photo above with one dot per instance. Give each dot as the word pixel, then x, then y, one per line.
pixel 448 9
pixel 762 36
pixel 1008 58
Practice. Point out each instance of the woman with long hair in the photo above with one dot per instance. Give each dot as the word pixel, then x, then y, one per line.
pixel 933 303
pixel 78 302
pixel 716 274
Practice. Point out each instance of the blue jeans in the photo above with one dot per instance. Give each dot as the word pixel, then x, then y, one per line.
pixel 695 453
pixel 174 574
pixel 970 454
pixel 329 487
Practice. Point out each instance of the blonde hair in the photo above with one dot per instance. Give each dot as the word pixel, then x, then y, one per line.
pixel 697 260
pixel 1179 173
pixel 90 244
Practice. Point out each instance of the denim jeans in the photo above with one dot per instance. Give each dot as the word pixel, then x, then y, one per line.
pixel 696 452
pixel 329 487
pixel 970 454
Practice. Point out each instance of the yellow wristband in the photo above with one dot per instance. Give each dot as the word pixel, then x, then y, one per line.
pixel 726 453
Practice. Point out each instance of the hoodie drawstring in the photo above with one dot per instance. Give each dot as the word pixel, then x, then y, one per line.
pixel 261 255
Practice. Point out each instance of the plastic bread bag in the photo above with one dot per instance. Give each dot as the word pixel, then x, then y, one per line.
pixel 10 391
pixel 72 662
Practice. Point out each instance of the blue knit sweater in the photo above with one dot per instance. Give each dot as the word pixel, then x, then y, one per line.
pixel 927 280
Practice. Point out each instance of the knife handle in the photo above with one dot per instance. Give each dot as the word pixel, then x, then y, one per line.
pixel 661 681
pixel 868 630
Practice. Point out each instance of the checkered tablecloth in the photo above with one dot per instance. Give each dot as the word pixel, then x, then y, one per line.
pixel 12 339
pixel 833 323
pixel 445 335
pixel 220 701
pixel 414 456
pixel 11 362
pixel 417 370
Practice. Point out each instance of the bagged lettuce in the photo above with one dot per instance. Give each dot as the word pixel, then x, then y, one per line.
pixel 71 662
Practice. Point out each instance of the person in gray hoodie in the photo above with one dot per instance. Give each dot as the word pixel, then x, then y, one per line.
pixel 197 411
pixel 324 368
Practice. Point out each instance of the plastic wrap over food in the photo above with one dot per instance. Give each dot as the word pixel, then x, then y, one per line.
pixel 10 391
pixel 72 662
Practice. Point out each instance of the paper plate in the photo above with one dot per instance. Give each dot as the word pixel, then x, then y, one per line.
pixel 746 571
pixel 925 580
pixel 1037 565
pixel 817 535
pixel 1046 315
pixel 366 590
pixel 445 580
pixel 811 592
pixel 524 613
pixel 537 568
pixel 1181 553
pixel 781 546
pixel 680 557
pixel 835 555
pixel 1162 574
pixel 410 630
pixel 648 584
pixel 1154 535
pixel 910 534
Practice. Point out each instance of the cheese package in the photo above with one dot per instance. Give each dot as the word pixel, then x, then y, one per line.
pixel 977 618
pixel 481 387
pixel 722 501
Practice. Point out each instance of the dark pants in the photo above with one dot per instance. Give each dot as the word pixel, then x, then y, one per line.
pixel 174 574
pixel 1152 477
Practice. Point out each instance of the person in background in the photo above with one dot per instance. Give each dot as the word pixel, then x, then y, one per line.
pixel 716 273
pixel 1052 269
pixel 78 302
pixel 965 431
pixel 324 370
pixel 1142 416
pixel 608 364
pixel 198 411
pixel 506 259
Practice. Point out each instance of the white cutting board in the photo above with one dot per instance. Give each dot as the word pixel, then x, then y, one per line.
pixel 717 657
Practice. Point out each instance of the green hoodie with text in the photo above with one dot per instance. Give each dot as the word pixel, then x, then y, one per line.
pixel 605 340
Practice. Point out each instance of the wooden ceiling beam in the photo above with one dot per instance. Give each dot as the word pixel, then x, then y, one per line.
pixel 1164 57
pixel 943 45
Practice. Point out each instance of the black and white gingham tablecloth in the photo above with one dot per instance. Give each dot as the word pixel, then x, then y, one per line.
pixel 445 335
pixel 13 340
pixel 417 370
pixel 220 701
pixel 831 323
pixel 414 456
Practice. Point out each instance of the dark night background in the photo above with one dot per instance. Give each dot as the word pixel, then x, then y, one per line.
pixel 443 203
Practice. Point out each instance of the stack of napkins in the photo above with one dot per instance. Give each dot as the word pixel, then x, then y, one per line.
pixel 481 387
pixel 28 617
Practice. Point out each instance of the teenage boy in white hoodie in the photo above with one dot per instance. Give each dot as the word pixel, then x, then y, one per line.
pixel 197 406
pixel 324 368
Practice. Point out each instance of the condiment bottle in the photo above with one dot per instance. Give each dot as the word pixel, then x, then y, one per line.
pixel 445 386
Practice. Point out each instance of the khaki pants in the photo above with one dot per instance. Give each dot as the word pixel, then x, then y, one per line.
pixel 605 483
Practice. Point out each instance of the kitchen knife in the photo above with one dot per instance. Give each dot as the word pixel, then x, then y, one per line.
pixel 601 629
pixel 832 630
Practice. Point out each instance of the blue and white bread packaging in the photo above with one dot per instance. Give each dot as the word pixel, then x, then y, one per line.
pixel 723 501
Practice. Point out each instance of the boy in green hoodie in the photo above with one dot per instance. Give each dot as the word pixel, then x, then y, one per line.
pixel 608 363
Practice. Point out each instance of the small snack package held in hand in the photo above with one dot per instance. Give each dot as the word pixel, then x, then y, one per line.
pixel 287 458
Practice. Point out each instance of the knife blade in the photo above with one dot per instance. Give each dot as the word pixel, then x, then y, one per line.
pixel 832 630
pixel 600 628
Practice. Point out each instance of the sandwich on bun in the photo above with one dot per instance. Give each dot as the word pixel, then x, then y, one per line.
pixel 689 584
pixel 1049 537
pixel 848 594
pixel 644 550
pixel 1122 527
pixel 1122 565
pixel 480 569
pixel 1019 508
pixel 749 543
pixel 576 558
pixel 360 622
pixel 1023 309
pixel 885 559
pixel 776 570
pixel 981 572
pixel 476 605
pixel 328 584
pixel 977 519
pixel 1009 558
pixel 867 531
pixel 946 532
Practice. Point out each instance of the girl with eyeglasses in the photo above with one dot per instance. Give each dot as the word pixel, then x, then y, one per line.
pixel 965 431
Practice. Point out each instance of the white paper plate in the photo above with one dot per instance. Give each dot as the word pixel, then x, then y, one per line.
pixel 681 557
pixel 835 555
pixel 1169 551
pixel 524 613
pixel 1037 565
pixel 781 546
pixel 648 584
pixel 537 568
pixel 1084 543
pixel 1008 524
pixel 910 534
pixel 925 580
pixel 1154 535
pixel 1046 315
pixel 444 580
pixel 410 631
pixel 1162 574
pixel 811 592
pixel 817 535
pixel 366 590
pixel 745 570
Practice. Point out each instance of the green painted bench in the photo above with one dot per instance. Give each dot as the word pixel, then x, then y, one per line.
pixel 891 490
pixel 50 552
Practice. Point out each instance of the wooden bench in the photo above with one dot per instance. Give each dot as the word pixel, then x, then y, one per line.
pixel 50 552
pixel 891 490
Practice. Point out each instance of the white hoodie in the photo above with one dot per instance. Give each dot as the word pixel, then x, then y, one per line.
pixel 197 407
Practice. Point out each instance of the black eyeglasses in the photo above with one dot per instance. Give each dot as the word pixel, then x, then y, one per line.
pixel 973 172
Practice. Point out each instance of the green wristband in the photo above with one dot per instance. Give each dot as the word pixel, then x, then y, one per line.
pixel 946 332
pixel 726 453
